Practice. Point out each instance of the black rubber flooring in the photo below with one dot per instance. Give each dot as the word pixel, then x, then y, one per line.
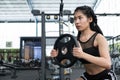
pixel 35 75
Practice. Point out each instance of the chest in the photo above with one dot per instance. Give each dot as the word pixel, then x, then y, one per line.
pixel 92 51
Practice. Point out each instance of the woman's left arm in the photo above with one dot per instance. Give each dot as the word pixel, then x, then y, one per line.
pixel 104 60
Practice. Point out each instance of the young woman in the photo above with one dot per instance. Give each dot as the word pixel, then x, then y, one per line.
pixel 94 50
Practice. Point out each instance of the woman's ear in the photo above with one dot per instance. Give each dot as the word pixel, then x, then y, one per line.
pixel 90 19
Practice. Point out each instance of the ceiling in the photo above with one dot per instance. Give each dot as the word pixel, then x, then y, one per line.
pixel 20 10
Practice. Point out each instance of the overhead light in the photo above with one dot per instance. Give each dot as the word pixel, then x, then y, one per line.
pixel 55 17
pixel 47 17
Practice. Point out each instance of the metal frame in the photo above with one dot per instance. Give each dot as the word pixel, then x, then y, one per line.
pixel 38 19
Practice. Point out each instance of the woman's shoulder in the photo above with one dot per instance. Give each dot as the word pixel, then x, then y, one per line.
pixel 100 38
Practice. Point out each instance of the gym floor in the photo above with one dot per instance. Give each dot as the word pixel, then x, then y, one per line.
pixel 34 75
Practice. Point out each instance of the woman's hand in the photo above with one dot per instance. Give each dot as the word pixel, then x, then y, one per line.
pixel 77 51
pixel 54 53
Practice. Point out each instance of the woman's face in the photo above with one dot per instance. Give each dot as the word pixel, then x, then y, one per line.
pixel 82 22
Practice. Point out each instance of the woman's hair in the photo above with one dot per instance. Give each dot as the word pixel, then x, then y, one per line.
pixel 88 11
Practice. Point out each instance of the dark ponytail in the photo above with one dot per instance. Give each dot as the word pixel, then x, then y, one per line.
pixel 88 11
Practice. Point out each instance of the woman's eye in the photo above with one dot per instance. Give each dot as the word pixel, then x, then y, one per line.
pixel 77 18
pixel 80 17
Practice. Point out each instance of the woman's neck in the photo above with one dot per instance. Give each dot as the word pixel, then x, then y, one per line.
pixel 87 33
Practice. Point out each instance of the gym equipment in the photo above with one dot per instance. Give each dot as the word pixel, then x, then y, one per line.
pixel 64 44
pixel 35 12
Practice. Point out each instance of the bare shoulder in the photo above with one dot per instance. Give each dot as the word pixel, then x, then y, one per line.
pixel 100 39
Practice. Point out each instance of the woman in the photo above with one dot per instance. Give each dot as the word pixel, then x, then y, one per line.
pixel 93 51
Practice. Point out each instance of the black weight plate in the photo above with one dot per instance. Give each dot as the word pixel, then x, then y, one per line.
pixel 64 44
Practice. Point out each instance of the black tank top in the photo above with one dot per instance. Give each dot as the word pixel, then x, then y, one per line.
pixel 88 47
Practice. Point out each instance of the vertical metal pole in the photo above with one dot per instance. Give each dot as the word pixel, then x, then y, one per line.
pixel 20 48
pixel 43 47
pixel 61 72
pixel 61 32
pixel 36 21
